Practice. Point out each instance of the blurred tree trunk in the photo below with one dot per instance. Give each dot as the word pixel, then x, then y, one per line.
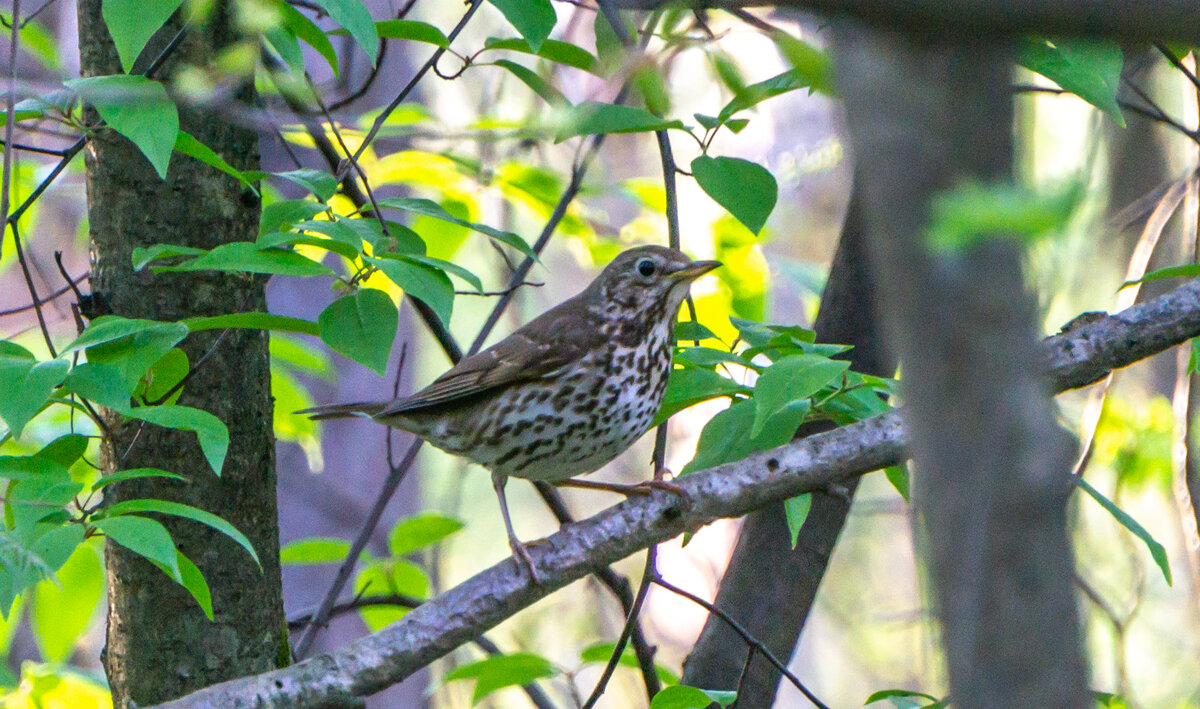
pixel 159 644
pixel 990 462
pixel 770 587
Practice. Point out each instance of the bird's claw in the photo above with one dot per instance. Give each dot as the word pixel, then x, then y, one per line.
pixel 524 559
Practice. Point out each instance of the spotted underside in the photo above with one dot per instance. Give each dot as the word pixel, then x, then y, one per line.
pixel 571 421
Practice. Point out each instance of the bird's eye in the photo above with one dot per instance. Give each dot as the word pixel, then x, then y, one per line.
pixel 646 267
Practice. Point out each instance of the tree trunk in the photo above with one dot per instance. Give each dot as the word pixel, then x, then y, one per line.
pixel 159 643
pixel 991 465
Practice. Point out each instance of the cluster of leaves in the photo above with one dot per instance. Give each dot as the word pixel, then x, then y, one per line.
pixel 794 380
pixel 52 495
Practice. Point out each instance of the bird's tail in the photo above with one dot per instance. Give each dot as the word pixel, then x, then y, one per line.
pixel 366 409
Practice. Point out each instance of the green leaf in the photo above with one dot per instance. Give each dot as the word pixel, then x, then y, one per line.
pixel 413 30
pixel 64 450
pixel 683 697
pixel 552 49
pixel 449 267
pixel 899 694
pixel 314 550
pixel 1190 270
pixel 191 147
pixel 134 474
pixel 211 432
pixel 107 328
pixel 755 94
pixel 389 578
pixel 305 29
pixel 592 117
pixel 811 64
pixel 897 475
pixel 132 23
pixel 540 86
pixel 534 19
pixel 691 330
pixel 287 47
pixel 278 216
pixel 420 531
pixel 501 671
pixel 138 109
pixel 143 536
pixel 746 189
pixel 430 285
pixel 362 327
pixel 972 212
pixel 430 208
pixel 258 321
pixel 128 358
pixel 1156 550
pixel 26 384
pixel 143 256
pixel 1088 68
pixel 688 387
pixel 319 182
pixel 601 652
pixel 789 380
pixel 353 15
pixel 191 579
pixel 248 257
pixel 162 377
pixel 796 509
pixel 61 614
pixel 177 509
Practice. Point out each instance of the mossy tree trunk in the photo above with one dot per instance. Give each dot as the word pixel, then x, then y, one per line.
pixel 159 643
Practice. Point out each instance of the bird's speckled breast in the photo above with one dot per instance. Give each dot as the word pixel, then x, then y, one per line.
pixel 573 422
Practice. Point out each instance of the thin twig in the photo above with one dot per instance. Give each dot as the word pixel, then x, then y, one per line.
pixel 299 619
pixel 395 476
pixel 630 622
pixel 10 104
pixel 416 78
pixel 741 685
pixel 1175 62
pixel 745 636
pixel 47 299
pixel 56 152
pixel 37 302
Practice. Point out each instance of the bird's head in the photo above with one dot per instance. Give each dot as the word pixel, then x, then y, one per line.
pixel 646 281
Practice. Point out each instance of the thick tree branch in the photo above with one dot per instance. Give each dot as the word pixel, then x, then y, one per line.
pixel 463 613
pixel 1129 20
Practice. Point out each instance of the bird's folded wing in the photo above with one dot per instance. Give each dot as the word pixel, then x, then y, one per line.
pixel 542 348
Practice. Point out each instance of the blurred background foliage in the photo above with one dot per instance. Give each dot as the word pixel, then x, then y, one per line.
pixel 476 146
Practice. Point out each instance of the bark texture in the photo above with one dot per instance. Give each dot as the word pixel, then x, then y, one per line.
pixel 991 464
pixel 159 644
pixel 769 586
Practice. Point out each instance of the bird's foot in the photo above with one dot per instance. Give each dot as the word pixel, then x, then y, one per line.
pixel 521 553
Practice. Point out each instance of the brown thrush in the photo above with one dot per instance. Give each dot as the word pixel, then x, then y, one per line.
pixel 564 394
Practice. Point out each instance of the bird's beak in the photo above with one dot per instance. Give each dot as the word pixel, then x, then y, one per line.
pixel 694 270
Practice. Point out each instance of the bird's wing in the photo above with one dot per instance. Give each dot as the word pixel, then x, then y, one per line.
pixel 557 338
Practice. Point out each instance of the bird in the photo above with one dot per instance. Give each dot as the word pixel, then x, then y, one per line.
pixel 562 395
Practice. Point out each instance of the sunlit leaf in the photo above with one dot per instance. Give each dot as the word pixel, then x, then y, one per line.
pixel 1088 68
pixel 1157 551
pixel 411 29
pixel 790 379
pixel 501 671
pixel 260 321
pixel 420 531
pixel 796 510
pixel 26 384
pixel 684 697
pixel 592 117
pixel 314 550
pixel 746 189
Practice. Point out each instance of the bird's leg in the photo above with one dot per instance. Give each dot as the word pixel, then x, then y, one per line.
pixel 628 490
pixel 518 549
